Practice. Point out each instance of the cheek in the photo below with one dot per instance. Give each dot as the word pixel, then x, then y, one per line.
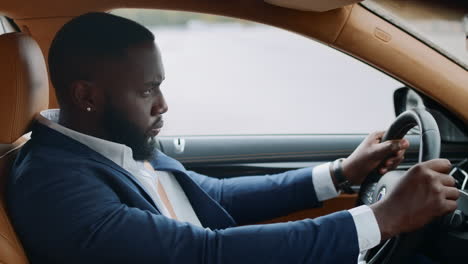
pixel 139 110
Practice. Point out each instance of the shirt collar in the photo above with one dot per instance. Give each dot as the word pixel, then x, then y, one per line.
pixel 120 154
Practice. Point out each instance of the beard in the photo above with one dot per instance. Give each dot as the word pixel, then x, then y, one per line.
pixel 123 131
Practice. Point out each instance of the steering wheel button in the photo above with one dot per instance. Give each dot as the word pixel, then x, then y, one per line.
pixel 457 219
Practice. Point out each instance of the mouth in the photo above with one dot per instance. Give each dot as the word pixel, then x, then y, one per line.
pixel 156 127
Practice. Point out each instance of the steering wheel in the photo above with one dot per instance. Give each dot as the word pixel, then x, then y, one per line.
pixel 376 186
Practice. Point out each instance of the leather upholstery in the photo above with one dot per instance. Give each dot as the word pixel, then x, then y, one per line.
pixel 24 91
pixel 24 86
pixel 11 251
pixel 317 6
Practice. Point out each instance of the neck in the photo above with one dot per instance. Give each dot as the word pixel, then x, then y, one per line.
pixel 83 123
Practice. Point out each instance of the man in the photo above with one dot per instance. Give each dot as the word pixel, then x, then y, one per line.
pixel 89 186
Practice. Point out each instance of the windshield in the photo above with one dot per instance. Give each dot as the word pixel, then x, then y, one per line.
pixel 439 24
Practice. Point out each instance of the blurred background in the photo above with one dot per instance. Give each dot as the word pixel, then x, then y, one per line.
pixel 227 76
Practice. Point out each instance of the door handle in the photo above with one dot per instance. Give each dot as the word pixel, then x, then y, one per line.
pixel 179 145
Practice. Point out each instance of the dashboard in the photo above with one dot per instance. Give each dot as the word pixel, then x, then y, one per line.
pixel 451 236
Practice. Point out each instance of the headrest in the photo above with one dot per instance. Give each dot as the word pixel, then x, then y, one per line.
pixel 24 85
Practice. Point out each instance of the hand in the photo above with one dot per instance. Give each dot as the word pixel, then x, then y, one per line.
pixel 424 192
pixel 372 154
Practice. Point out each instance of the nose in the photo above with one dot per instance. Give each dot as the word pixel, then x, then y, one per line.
pixel 159 106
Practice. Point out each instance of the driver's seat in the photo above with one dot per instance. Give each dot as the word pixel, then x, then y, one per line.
pixel 24 91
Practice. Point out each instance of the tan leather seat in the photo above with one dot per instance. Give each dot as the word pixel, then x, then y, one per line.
pixel 24 91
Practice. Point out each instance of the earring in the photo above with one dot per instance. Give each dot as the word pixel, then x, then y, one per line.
pixel 88 109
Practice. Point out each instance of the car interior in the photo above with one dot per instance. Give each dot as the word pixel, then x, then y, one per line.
pixel 434 82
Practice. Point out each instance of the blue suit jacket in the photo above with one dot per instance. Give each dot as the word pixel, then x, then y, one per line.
pixel 70 204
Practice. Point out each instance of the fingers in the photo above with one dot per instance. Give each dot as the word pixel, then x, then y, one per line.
pixel 447 201
pixel 439 165
pixel 447 180
pixel 391 148
pixel 451 193
pixel 396 145
pixel 377 136
pixel 393 162
pixel 450 206
pixel 373 138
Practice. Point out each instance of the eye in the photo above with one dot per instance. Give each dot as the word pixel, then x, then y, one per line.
pixel 148 92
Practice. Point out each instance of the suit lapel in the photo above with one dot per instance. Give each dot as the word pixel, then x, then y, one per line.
pixel 208 211
pixel 114 166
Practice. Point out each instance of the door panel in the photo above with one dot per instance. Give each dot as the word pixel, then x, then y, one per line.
pixel 230 156
pixel 342 202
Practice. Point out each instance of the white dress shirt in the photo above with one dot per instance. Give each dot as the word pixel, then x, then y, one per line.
pixel 368 231
pixel 367 228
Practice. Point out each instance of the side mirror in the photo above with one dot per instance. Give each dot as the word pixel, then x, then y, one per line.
pixel 451 129
pixel 405 99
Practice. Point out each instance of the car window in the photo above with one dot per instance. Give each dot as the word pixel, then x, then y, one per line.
pixel 2 28
pixel 6 26
pixel 233 77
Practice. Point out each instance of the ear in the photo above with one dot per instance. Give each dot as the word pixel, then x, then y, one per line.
pixel 84 95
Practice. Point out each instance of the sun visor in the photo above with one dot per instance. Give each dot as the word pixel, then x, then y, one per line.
pixel 312 5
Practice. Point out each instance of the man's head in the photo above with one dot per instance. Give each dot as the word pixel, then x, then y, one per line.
pixel 107 73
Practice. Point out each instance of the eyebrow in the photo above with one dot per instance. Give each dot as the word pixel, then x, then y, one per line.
pixel 156 82
pixel 153 83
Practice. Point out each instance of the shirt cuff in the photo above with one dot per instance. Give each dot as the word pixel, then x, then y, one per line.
pixel 367 228
pixel 323 183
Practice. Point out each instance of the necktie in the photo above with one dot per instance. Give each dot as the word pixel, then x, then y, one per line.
pixel 162 193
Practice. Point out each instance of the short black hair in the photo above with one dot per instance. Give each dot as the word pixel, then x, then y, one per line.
pixel 87 40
